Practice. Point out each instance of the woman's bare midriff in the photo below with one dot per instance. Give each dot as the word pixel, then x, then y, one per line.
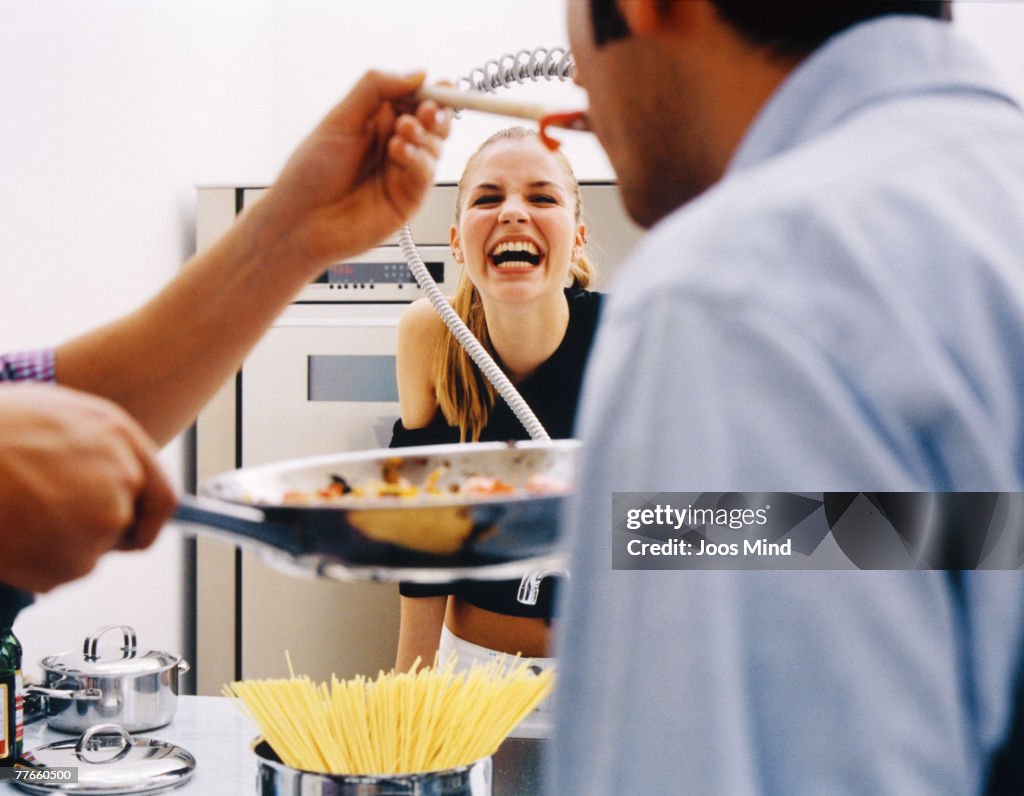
pixel 511 634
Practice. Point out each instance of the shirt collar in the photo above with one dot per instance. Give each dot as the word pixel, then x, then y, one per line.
pixel 871 61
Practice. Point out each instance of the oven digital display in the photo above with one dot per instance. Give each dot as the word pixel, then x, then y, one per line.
pixel 396 273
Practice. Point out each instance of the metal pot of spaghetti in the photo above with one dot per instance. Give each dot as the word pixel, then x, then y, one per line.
pixel 426 731
pixel 425 514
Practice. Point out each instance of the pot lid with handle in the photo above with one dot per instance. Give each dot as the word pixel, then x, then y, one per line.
pixel 107 760
pixel 110 660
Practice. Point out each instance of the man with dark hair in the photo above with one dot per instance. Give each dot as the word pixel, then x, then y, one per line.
pixel 830 298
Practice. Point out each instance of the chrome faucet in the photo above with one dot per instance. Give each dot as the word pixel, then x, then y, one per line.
pixel 529 586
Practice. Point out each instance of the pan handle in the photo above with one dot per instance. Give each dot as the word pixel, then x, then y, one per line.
pixel 235 524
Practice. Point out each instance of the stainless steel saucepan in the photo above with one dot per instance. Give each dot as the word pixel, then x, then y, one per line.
pixel 427 538
pixel 136 688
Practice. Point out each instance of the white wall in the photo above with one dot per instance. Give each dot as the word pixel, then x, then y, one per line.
pixel 111 111
pixel 320 46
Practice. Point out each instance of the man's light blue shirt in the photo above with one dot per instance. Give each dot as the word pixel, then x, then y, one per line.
pixel 844 311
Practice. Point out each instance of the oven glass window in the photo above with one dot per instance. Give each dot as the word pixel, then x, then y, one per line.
pixel 335 377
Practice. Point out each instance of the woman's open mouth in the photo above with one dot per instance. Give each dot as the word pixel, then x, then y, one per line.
pixel 515 254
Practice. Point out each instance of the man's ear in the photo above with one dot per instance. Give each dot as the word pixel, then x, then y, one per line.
pixel 650 17
pixel 640 15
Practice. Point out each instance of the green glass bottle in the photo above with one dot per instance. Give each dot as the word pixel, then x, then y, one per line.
pixel 11 698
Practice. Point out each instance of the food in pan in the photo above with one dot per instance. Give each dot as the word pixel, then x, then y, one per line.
pixel 393 484
pixel 429 719
pixel 390 484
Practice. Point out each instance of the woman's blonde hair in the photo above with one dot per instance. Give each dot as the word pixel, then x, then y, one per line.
pixel 464 395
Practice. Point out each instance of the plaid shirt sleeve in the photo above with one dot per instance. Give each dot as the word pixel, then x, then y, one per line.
pixel 28 366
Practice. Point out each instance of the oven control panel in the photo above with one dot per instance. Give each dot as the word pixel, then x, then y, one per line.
pixel 380 274
pixel 360 274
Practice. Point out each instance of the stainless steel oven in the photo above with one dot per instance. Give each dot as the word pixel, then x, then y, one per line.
pixel 322 380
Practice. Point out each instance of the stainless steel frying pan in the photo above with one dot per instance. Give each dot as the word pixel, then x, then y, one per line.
pixel 425 539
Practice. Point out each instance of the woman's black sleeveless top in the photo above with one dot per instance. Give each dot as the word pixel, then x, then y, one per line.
pixel 552 392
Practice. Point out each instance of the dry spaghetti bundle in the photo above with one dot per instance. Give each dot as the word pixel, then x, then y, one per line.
pixel 428 719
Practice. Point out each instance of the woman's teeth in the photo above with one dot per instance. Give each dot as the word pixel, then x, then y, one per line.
pixel 515 253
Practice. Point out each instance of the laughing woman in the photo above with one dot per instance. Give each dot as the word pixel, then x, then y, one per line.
pixel 519 237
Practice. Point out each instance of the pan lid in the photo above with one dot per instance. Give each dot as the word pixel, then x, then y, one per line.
pixel 107 760
pixel 97 661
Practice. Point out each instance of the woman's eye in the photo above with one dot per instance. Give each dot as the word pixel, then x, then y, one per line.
pixel 486 199
pixel 544 199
